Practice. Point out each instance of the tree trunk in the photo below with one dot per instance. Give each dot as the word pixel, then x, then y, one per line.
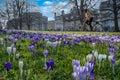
pixel 116 22
pixel 115 16
pixel 20 21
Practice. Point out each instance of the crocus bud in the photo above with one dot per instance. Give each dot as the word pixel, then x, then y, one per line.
pixel 75 76
pixel 45 52
pixel 9 50
pixel 17 56
pixel 14 50
pixel 15 40
pixel 110 58
pixel 1 39
pixel 102 56
pixel 96 54
pixel 93 44
pixel 89 57
pixel 20 65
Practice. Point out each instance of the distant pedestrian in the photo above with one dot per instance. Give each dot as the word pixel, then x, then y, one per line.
pixel 88 19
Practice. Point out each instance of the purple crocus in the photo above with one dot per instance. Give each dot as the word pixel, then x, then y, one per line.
pixel 49 64
pixel 31 47
pixel 111 49
pixel 45 52
pixel 8 65
pixel 91 75
pixel 113 61
pixel 34 53
pixel 42 46
pixel 19 47
pixel 66 42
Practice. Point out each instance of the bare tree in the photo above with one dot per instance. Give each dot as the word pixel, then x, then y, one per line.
pixel 116 8
pixel 20 8
pixel 79 6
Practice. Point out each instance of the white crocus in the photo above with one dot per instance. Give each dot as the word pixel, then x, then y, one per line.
pixel 93 51
pixel 48 43
pixel 15 40
pixel 21 65
pixel 59 42
pixel 93 44
pixel 28 74
pixel 102 56
pixel 17 56
pixel 54 44
pixel 9 50
pixel 14 50
pixel 46 39
pixel 95 54
pixel 1 39
pixel 89 57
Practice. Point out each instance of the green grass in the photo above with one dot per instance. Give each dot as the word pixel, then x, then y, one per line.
pixel 62 56
pixel 73 32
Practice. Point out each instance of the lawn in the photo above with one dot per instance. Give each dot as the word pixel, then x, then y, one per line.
pixel 49 55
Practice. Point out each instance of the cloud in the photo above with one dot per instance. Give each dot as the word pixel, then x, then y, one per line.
pixel 49 8
pixel 47 3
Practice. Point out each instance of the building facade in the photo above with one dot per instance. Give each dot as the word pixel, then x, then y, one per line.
pixel 102 15
pixel 66 22
pixel 51 25
pixel 32 21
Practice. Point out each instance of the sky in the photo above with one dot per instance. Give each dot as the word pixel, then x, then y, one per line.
pixel 49 7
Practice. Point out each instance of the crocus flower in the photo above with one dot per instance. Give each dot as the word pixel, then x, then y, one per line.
pixel 35 53
pixel 102 56
pixel 20 65
pixel 66 42
pixel 75 62
pixel 45 52
pixel 75 75
pixel 111 49
pixel 48 43
pixel 42 45
pixel 49 64
pixel 89 57
pixel 9 50
pixel 8 65
pixel 17 56
pixel 91 77
pixel 19 47
pixel 81 72
pixel 96 54
pixel 1 39
pixel 93 44
pixel 111 59
pixel 14 50
pixel 54 44
pixel 31 47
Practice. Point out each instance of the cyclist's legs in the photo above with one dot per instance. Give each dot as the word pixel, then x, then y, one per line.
pixel 90 23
